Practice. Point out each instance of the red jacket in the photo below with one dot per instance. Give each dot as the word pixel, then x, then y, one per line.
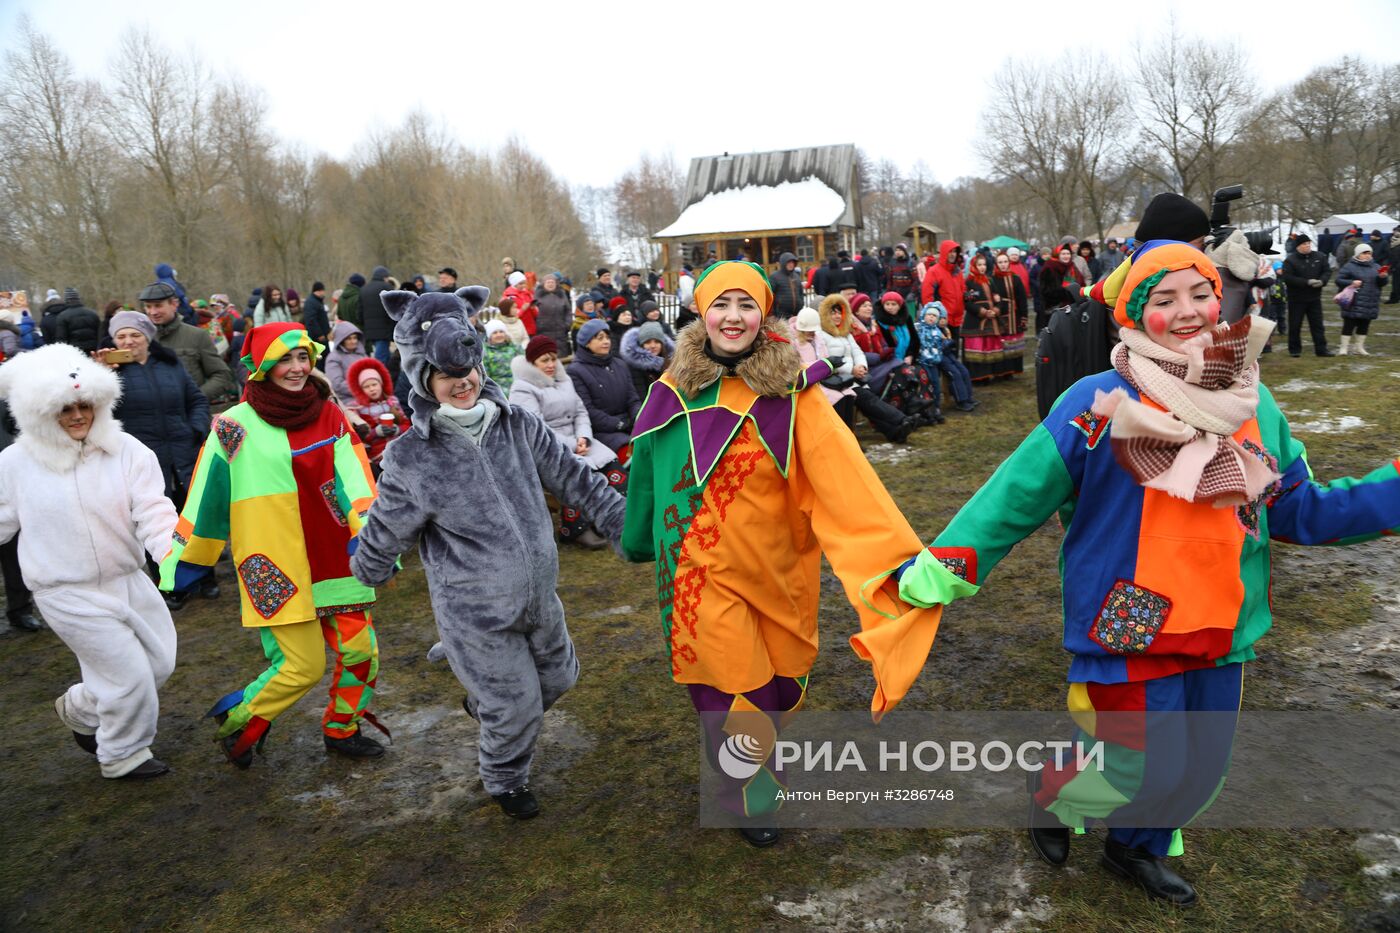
pixel 525 307
pixel 869 339
pixel 948 281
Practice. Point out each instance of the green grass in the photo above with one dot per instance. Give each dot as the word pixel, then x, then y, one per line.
pixel 410 844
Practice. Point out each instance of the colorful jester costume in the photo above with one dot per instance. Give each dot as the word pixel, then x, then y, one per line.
pixel 291 501
pixel 1165 563
pixel 740 480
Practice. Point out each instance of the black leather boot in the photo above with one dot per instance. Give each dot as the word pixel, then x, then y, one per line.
pixel 759 838
pixel 87 743
pixel 150 768
pixel 1049 837
pixel 354 746
pixel 518 804
pixel 1149 871
pixel 23 619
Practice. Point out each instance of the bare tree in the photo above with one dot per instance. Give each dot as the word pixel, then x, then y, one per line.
pixel 1197 100
pixel 646 198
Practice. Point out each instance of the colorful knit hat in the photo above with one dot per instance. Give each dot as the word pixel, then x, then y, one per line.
pixel 267 344
pixel 733 273
pixel 1150 263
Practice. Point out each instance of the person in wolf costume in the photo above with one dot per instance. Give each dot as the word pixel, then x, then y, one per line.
pixel 457 485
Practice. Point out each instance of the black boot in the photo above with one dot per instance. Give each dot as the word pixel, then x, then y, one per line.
pixel 900 435
pixel 518 804
pixel 759 838
pixel 1049 837
pixel 23 619
pixel 176 601
pixel 1149 871
pixel 354 746
pixel 87 743
pixel 209 589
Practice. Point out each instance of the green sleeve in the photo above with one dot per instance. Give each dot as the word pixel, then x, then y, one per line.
pixel 203 527
pixel 638 535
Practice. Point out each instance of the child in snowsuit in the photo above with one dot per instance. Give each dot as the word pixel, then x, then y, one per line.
pixel 453 485
pixel 90 500
pixel 1171 472
pixel 936 356
pixel 376 406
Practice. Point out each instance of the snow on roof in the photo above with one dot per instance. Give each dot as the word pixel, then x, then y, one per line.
pixel 1371 220
pixel 786 206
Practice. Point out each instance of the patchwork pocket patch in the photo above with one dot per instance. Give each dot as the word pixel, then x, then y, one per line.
pixel 268 587
pixel 1130 618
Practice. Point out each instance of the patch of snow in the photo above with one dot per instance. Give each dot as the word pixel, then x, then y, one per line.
pixel 786 206
pixel 1330 425
pixel 613 611
pixel 1382 850
pixel 888 453
pixel 1303 385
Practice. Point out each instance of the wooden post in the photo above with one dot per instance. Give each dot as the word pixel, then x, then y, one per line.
pixel 917 251
pixel 765 254
pixel 667 275
pixel 819 243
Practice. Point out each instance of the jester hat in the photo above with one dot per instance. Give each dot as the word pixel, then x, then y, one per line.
pixel 733 273
pixel 266 344
pixel 1151 262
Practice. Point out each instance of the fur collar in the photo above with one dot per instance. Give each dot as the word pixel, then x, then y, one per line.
pixel 834 300
pixel 636 357
pixel 770 371
pixel 522 370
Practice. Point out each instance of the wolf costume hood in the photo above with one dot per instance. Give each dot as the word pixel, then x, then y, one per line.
pixel 434 331
pixel 41 383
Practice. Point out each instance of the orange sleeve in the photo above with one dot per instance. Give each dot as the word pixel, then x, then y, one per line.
pixel 865 537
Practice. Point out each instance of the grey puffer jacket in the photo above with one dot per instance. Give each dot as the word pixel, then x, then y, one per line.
pixel 474 508
pixel 1367 304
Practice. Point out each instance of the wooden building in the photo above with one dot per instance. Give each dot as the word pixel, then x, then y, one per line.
pixel 760 205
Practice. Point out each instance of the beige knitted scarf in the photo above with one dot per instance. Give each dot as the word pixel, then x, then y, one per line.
pixel 1209 390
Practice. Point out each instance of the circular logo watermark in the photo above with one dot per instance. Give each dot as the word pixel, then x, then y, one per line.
pixel 741 756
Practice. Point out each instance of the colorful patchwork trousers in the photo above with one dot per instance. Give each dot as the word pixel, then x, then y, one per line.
pixel 296 655
pixel 741 731
pixel 1167 746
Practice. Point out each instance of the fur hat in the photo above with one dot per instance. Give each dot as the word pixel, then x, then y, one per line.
pixel 41 383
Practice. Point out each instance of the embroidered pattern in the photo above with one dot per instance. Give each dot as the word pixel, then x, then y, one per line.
pixel 230 434
pixel 960 561
pixel 1092 425
pixel 1130 618
pixel 180 539
pixel 268 587
pixel 333 503
pixel 1249 514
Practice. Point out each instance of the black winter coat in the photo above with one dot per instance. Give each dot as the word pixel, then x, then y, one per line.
pixel 635 299
pixel 1299 269
pixel 556 312
pixel 870 275
pixel 606 387
pixel 162 408
pixel 787 288
pixel 375 321
pixel 1367 304
pixel 79 326
pixel 48 321
pixel 316 319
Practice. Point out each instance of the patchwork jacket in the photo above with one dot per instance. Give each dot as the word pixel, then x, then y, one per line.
pixel 1152 584
pixel 290 502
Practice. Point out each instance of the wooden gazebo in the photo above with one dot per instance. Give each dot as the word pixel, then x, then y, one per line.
pixel 923 237
pixel 760 205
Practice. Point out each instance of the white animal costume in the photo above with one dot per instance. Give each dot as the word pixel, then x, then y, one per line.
pixel 90 510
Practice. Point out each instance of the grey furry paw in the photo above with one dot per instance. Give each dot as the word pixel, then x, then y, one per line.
pixel 437 652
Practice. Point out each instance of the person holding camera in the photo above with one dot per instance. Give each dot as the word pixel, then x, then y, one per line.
pixel 1305 272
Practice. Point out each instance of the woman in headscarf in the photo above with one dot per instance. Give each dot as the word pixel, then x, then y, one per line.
pixel 742 477
pixel 1058 285
pixel 1009 303
pixel 1171 472
pixel 983 328
pixel 285 481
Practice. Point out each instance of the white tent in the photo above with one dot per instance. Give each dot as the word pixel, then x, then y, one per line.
pixel 1339 223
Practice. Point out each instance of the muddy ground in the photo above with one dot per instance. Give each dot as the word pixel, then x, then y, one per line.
pixel 411 842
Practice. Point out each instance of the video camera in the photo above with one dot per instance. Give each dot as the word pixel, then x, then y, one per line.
pixel 1260 241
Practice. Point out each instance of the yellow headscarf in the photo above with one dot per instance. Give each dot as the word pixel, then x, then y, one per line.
pixel 733 273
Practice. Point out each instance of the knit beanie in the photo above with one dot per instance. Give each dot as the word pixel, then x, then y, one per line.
pixel 1170 216
pixel 1151 262
pixel 860 298
pixel 540 345
pixel 651 330
pixel 263 346
pixel 369 374
pixel 733 273
pixel 896 297
pixel 616 302
pixel 516 279
pixel 1362 247
pixel 292 295
pixel 586 296
pixel 494 327
pixel 588 331
pixel 134 320
pixel 357 280
pixel 70 296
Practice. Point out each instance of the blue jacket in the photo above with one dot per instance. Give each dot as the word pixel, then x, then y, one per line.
pixel 162 408
pixel 166 273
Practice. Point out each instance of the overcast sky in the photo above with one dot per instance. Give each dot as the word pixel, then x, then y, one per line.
pixel 588 86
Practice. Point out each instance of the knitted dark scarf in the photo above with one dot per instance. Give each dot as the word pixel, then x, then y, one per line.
pixel 288 410
pixel 728 362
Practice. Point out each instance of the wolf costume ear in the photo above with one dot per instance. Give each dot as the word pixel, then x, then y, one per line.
pixel 396 302
pixel 475 296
